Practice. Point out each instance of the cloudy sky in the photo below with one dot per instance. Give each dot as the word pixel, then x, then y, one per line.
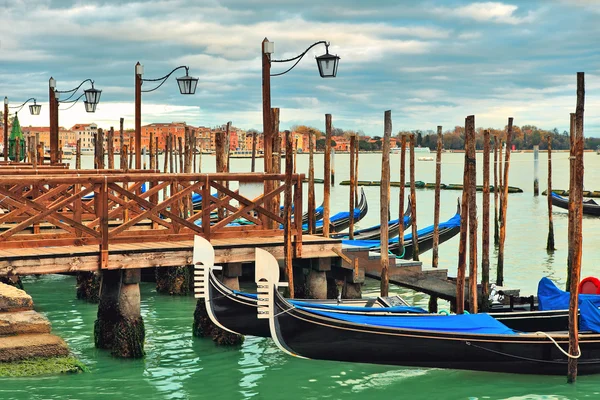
pixel 430 62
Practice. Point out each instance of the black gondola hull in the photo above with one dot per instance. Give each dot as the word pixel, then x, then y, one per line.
pixel 588 209
pixel 311 336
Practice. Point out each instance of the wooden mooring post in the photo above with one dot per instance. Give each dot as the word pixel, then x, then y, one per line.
pixel 253 163
pixel 496 193
pixel 536 162
pixel 504 204
pixel 485 230
pixel 332 166
pixel 122 153
pixel 152 155
pixel 472 215
pixel 436 212
pixel 352 179
pixel 327 175
pixel 572 135
pixel 550 241
pixel 575 226
pixel 436 201
pixel 413 200
pixel 464 227
pixel 110 148
pixel 384 193
pixel 402 180
pixel 311 184
pixel 78 154
pixel 356 169
pixel 287 206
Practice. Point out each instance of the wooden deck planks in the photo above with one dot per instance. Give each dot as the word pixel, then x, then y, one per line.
pixel 47 260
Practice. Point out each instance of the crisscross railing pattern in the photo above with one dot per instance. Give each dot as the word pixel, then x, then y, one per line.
pixel 43 211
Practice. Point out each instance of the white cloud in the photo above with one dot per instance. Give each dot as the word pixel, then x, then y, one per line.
pixel 486 12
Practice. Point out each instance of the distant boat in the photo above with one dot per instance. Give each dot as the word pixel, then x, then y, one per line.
pixel 418 150
pixel 425 159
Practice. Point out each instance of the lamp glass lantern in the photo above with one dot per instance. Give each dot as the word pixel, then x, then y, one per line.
pixel 328 64
pixel 187 84
pixel 92 95
pixel 34 109
pixel 90 107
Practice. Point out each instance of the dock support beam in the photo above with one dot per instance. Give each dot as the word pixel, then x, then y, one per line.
pixel 120 326
pixel 174 280
pixel 88 286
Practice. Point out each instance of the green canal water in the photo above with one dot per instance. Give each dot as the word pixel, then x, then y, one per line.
pixel 179 366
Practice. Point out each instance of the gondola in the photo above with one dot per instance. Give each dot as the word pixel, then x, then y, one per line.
pixel 236 311
pixel 341 221
pixel 374 232
pixel 590 207
pixel 479 342
pixel 447 230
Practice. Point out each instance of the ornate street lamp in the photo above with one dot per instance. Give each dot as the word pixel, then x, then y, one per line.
pixel 187 85
pixel 327 64
pixel 92 98
pixel 34 109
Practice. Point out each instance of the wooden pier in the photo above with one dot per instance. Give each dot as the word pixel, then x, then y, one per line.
pixel 55 221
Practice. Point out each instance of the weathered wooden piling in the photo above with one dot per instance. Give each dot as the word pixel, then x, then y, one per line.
pixel 436 201
pixel 464 224
pixel 119 326
pixel 402 180
pixel 99 150
pixel 485 233
pixel 110 148
pixel 311 184
pixel 575 225
pixel 413 200
pixel 332 166
pixel 152 155
pixel 550 241
pixel 436 213
pixel 356 169
pixel 352 182
pixel 496 193
pixel 384 193
pixel 504 204
pixel 122 153
pixel 536 162
pixel 287 206
pixel 572 134
pixel 78 154
pixel 275 163
pixel 253 164
pixel 327 175
pixel 180 153
pixel 472 215
pixel 131 149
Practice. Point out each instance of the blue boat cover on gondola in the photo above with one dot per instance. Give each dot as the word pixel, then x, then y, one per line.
pixel 451 223
pixel 465 323
pixel 336 217
pixel 590 316
pixel 551 297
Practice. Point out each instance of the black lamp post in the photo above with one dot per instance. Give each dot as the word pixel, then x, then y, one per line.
pixel 92 98
pixel 34 109
pixel 187 85
pixel 327 64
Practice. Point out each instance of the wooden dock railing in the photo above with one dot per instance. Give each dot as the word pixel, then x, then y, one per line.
pixel 44 211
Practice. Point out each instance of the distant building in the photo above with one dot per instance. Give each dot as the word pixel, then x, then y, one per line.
pixel 87 133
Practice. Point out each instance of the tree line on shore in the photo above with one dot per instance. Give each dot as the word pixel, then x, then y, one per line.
pixel 524 137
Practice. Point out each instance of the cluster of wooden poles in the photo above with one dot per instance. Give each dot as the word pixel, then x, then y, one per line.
pixel 468 226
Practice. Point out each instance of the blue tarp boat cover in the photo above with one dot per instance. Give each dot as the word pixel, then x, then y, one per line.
pixel 551 297
pixel 197 197
pixel 451 223
pixel 336 217
pixel 590 316
pixel 465 323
